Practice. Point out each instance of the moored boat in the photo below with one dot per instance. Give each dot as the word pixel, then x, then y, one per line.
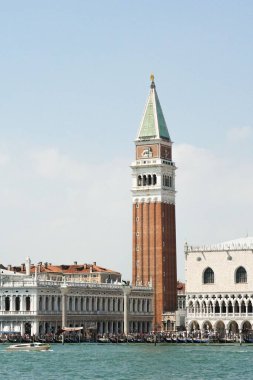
pixel 29 347
pixel 103 339
pixel 248 340
pixel 199 340
pixel 181 340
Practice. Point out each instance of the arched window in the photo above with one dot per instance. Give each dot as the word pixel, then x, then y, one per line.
pixel 59 303
pixel 241 275
pixel 230 307
pixel 217 307
pixel 40 303
pixel 46 304
pixel 17 303
pixel 139 181
pixel 70 303
pixel 27 303
pixel 208 276
pixel 7 303
pixel 250 308
pixel 154 179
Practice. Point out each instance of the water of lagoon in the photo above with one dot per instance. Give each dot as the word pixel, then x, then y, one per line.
pixel 129 361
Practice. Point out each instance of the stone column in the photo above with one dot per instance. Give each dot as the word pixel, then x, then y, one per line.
pixel 35 328
pixel 12 302
pixel 64 291
pixel 22 329
pixel 126 291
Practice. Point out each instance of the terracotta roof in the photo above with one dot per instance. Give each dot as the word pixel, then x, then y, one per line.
pixel 66 268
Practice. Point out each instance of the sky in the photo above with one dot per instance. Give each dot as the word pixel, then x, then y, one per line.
pixel 74 79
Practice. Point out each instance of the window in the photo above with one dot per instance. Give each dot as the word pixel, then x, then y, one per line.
pixel 208 276
pixel 17 304
pixel 7 303
pixel 27 303
pixel 241 275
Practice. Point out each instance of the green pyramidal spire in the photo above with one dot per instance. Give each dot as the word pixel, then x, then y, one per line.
pixel 153 125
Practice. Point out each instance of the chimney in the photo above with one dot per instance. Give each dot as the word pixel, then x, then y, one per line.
pixel 46 265
pixel 94 263
pixel 9 267
pixel 28 266
pixel 22 267
pixel 75 262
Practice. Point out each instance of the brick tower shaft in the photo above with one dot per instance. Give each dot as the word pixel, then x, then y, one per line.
pixel 154 224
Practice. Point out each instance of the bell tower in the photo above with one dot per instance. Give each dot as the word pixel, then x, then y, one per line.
pixel 153 198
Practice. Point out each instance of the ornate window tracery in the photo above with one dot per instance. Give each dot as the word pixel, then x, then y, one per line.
pixel 241 275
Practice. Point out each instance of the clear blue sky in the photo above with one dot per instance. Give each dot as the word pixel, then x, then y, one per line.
pixel 74 81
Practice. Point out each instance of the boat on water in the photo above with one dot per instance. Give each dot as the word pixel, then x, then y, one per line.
pixel 199 340
pixel 248 340
pixel 226 340
pixel 181 340
pixel 29 347
pixel 103 339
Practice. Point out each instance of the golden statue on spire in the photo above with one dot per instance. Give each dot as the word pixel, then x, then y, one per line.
pixel 152 77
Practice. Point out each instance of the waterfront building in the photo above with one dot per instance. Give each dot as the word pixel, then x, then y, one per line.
pixel 175 321
pixel 153 198
pixel 41 300
pixel 73 272
pixel 219 287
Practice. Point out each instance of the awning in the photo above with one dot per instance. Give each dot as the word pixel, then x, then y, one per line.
pixel 70 329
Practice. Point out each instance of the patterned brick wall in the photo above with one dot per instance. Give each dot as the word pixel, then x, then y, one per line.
pixel 154 253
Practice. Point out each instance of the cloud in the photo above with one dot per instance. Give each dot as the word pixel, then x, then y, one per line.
pixel 61 209
pixel 4 159
pixel 214 197
pixel 239 133
pixel 50 163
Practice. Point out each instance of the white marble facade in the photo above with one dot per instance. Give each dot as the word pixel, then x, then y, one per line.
pixel 219 287
pixel 33 306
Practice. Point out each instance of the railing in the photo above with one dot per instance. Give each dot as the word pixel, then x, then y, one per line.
pixel 49 283
pixel 216 315
pixel 15 312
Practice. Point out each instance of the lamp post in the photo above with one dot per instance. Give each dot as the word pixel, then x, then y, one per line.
pixel 64 291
